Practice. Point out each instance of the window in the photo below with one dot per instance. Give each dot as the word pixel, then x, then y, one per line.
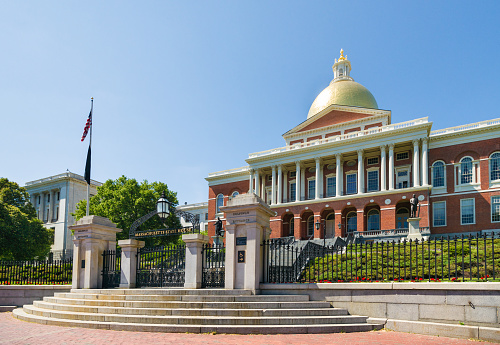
pixel 235 193
pixel 293 174
pixel 292 191
pixel 292 226
pixel 331 186
pixel 351 184
pixel 56 216
pixel 269 177
pixel 402 155
pixel 48 197
pixel 58 196
pixel 269 196
pixel 495 166
pixel 439 213
pixel 310 226
pixel 466 170
pixel 351 221
pixel 311 189
pixel 206 216
pixel 39 200
pixel 402 218
pixel 438 174
pixel 467 211
pixel 47 215
pixel 373 221
pixel 373 160
pixel 495 208
pixel 220 202
pixel 206 227
pixel 402 179
pixel 372 180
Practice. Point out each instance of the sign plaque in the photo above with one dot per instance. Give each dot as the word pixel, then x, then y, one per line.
pixel 241 256
pixel 241 241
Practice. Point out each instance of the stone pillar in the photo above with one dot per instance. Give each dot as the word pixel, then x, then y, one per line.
pixel 339 172
pixel 414 229
pixel 425 163
pixel 194 259
pixel 247 219
pixel 250 182
pixel 51 207
pixel 416 171
pixel 42 207
pixel 92 236
pixel 129 262
pixel 303 184
pixel 361 173
pixel 297 181
pixel 257 182
pixel 285 186
pixel 280 185
pixel 383 170
pixel 318 178
pixel 273 186
pixel 391 167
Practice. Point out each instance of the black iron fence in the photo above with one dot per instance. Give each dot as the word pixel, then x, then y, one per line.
pixel 161 266
pixel 111 268
pixel 213 265
pixel 440 259
pixel 36 272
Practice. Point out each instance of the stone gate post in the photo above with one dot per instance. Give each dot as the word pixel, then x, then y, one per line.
pixel 247 225
pixel 92 236
pixel 194 257
pixel 128 276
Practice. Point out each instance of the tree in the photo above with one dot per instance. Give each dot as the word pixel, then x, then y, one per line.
pixel 125 200
pixel 22 235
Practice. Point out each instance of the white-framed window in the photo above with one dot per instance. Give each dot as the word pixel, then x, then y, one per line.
pixel 331 185
pixel 439 213
pixel 351 183
pixel 311 188
pixel 402 155
pixel 293 174
pixel 438 174
pixel 372 160
pixel 351 221
pixel 373 220
pixel 310 226
pixel 467 211
pixel 269 195
pixel 219 202
pixel 466 170
pixel 293 191
pixel 495 209
pixel 495 166
pixel 402 177
pixel 372 180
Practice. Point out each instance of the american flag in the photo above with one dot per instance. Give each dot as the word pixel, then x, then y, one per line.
pixel 87 126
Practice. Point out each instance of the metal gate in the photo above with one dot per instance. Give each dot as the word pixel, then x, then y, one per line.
pixel 111 268
pixel 214 259
pixel 161 266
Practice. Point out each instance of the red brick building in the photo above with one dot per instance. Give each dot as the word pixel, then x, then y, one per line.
pixel 350 169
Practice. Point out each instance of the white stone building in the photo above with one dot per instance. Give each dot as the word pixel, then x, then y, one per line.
pixel 55 198
pixel 200 210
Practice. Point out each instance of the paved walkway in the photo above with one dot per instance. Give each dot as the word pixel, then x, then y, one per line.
pixel 13 331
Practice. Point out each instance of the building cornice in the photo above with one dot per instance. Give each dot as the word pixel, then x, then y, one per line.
pixel 482 130
pixel 60 178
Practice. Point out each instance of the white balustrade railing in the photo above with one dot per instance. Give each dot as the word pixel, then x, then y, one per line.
pixel 229 171
pixel 475 125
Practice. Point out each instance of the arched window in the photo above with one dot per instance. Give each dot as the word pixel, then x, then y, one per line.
pixel 495 166
pixel 220 202
pixel 438 174
pixel 310 226
pixel 465 170
pixel 402 218
pixel 235 193
pixel 373 221
pixel 351 222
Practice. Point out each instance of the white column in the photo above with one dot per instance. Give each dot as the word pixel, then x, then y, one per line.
pixel 273 186
pixel 280 185
pixel 257 182
pixel 425 163
pixel 42 207
pixel 391 166
pixel 361 173
pixel 303 184
pixel 51 207
pixel 297 181
pixel 318 178
pixel 383 170
pixel 285 186
pixel 416 171
pixel 250 182
pixel 339 172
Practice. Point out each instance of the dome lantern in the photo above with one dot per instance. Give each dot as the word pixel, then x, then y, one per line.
pixel 342 68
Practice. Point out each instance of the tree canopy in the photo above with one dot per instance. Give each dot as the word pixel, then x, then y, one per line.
pixel 124 200
pixel 22 235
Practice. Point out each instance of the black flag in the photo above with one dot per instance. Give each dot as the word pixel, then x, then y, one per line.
pixel 87 168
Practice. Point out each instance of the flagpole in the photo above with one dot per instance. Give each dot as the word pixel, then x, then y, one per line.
pixel 90 145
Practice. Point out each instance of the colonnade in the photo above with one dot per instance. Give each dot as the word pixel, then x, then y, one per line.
pixel 44 204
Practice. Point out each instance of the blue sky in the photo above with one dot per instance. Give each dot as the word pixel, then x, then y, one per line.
pixel 184 88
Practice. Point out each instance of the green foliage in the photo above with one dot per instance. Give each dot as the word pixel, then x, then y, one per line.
pixel 125 200
pixel 22 235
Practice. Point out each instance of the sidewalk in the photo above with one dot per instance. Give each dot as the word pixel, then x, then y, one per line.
pixel 13 331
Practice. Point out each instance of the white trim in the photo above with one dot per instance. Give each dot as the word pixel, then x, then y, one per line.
pixel 388 208
pixel 491 208
pixel 434 213
pixel 464 193
pixel 441 189
pixel 473 208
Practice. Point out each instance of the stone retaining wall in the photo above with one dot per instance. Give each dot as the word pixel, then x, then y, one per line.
pixel 18 295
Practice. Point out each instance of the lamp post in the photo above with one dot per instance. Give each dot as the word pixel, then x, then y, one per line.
pixel 162 207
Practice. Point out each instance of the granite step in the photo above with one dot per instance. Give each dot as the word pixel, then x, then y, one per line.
pixel 188 298
pixel 164 291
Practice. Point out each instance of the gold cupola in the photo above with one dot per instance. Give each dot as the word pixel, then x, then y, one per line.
pixel 343 90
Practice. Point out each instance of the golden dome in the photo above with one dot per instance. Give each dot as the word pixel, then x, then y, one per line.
pixel 343 92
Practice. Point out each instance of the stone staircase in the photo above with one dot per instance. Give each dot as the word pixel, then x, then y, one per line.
pixel 191 310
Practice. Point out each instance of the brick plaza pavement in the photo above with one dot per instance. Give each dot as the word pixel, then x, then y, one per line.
pixel 13 331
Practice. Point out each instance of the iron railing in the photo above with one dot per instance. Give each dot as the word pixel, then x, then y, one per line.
pixel 161 266
pixel 213 265
pixel 111 268
pixel 472 258
pixel 36 272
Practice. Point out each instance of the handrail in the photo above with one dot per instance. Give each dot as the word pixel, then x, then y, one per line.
pixel 470 126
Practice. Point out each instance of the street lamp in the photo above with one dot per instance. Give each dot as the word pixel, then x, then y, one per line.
pixel 162 207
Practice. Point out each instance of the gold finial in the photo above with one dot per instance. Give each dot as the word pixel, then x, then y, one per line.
pixel 342 57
